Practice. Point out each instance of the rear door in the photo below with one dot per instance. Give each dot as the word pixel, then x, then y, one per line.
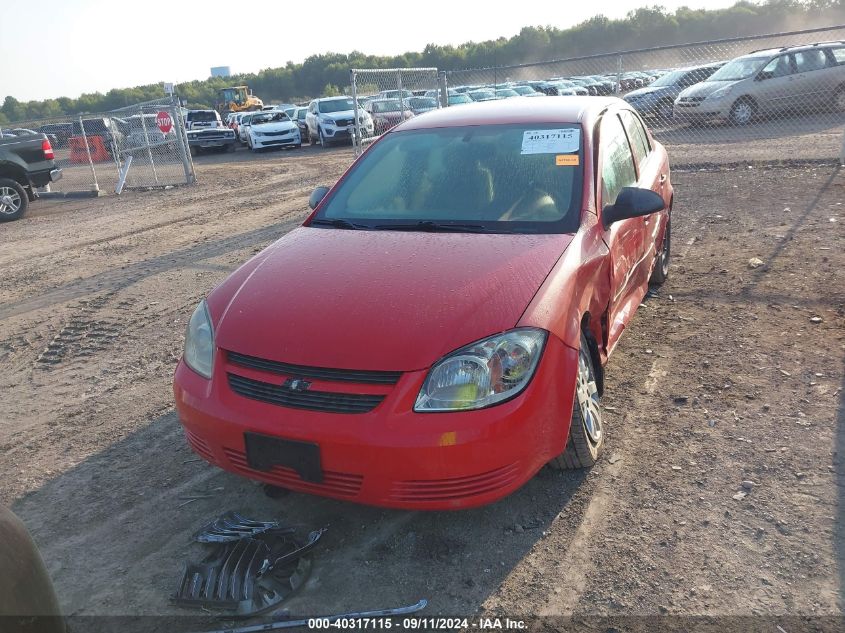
pixel 811 66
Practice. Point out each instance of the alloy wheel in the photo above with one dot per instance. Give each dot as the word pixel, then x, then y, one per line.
pixel 743 112
pixel 586 391
pixel 10 201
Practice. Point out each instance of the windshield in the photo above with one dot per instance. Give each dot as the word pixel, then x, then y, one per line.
pixel 670 79
pixel 498 178
pixel 422 103
pixel 391 105
pixel 458 99
pixel 202 115
pixel 269 117
pixel 741 68
pixel 506 93
pixel 482 95
pixel 335 105
pixel 524 90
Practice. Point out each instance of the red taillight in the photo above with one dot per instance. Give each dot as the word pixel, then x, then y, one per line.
pixel 47 149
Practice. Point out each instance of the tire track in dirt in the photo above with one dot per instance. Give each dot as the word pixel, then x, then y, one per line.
pixel 121 278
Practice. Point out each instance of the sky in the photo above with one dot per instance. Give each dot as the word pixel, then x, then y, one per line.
pixel 76 46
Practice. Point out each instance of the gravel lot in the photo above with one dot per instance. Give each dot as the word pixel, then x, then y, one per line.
pixel 722 378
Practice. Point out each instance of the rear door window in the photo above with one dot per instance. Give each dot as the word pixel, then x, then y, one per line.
pixel 808 61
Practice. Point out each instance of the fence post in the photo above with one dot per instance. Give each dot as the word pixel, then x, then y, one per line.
pixel 842 151
pixel 444 89
pixel 357 145
pixel 96 185
pixel 618 87
pixel 401 96
pixel 182 140
pixel 147 141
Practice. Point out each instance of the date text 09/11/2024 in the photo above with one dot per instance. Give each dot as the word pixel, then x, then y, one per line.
pixel 417 624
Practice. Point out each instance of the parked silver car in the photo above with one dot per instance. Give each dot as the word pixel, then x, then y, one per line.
pixel 804 78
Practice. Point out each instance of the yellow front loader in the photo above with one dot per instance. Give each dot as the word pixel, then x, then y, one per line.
pixel 238 99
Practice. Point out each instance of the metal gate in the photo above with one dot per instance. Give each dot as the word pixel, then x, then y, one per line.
pixel 139 146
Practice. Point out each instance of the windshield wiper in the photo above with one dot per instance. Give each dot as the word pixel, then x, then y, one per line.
pixel 428 225
pixel 339 223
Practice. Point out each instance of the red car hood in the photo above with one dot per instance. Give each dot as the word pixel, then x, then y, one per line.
pixel 380 300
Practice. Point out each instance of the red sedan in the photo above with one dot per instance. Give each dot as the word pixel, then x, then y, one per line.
pixel 436 331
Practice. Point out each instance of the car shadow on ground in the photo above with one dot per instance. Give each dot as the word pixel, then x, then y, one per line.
pixel 128 513
pixel 771 127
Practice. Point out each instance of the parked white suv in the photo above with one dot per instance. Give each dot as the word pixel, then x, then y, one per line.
pixel 332 119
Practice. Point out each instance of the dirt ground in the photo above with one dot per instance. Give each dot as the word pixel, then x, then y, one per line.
pixel 722 378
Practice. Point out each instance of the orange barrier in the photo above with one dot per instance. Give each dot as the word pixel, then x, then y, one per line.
pixel 95 145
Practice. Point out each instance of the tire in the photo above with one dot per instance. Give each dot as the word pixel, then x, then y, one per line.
pixel 323 142
pixel 743 111
pixel 586 432
pixel 307 137
pixel 13 200
pixel 193 151
pixel 839 99
pixel 298 146
pixel 661 265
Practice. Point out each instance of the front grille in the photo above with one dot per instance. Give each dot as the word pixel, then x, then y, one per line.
pixel 691 99
pixel 455 488
pixel 284 133
pixel 342 122
pixel 317 373
pixel 212 134
pixel 334 483
pixel 312 400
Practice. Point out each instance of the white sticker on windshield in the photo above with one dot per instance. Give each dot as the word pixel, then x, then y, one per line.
pixel 561 141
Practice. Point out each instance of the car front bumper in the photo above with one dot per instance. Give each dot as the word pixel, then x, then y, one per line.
pixel 706 110
pixel 391 456
pixel 264 141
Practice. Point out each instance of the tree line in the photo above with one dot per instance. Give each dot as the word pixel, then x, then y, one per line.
pixel 328 73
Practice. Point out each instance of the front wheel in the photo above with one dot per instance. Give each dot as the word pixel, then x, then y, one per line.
pixel 586 432
pixel 743 112
pixel 323 142
pixel 13 200
pixel 839 99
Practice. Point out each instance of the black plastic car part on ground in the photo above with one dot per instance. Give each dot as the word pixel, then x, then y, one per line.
pixel 250 575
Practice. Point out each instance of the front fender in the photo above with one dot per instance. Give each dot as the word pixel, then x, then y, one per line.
pixel 578 284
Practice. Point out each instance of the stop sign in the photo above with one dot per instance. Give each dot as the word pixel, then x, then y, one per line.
pixel 164 122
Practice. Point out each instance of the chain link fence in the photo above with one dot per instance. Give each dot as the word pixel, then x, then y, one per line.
pixel 785 101
pixel 391 95
pixel 139 146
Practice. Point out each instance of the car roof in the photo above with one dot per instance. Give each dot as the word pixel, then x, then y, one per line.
pixel 569 109
pixel 764 52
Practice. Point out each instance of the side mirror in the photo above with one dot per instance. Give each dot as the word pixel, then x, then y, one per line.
pixel 632 202
pixel 317 196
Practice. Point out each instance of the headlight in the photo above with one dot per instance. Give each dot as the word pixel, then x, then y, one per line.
pixel 328 122
pixel 482 373
pixel 199 342
pixel 721 92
